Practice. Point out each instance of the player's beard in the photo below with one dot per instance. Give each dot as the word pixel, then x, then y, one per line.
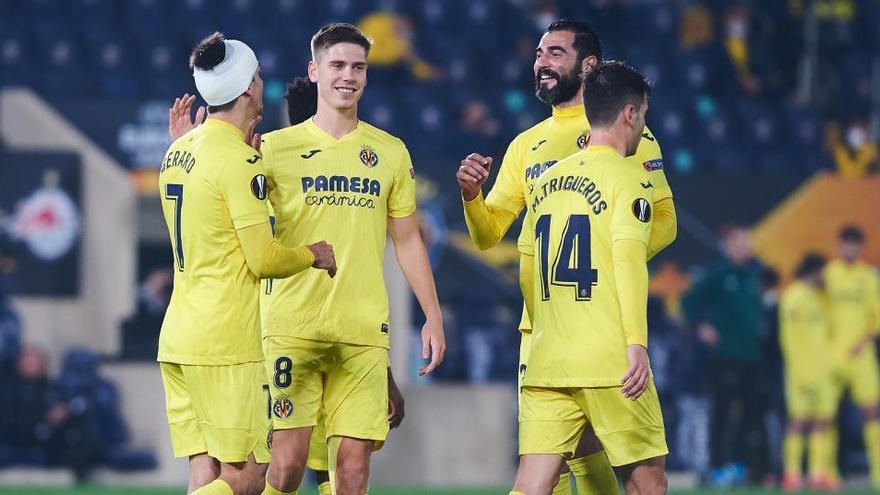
pixel 566 87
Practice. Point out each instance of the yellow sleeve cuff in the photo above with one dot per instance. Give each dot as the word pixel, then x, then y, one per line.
pixel 486 224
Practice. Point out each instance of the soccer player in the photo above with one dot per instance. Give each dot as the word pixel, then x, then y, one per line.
pixel 854 310
pixel 302 102
pixel 566 51
pixel 326 344
pixel 213 190
pixel 586 232
pixel 803 337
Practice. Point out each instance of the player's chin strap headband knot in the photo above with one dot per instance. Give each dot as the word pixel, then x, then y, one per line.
pixel 230 78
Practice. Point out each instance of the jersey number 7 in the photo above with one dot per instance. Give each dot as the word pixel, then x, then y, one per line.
pixel 572 265
pixel 174 192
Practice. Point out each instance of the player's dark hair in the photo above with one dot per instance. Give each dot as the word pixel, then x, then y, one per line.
pixel 209 53
pixel 812 264
pixel 340 32
pixel 609 88
pixel 851 233
pixel 302 99
pixel 586 40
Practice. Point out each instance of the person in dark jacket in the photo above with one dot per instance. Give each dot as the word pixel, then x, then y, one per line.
pixel 724 306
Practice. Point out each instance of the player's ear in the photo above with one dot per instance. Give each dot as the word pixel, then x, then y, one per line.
pixel 313 71
pixel 589 64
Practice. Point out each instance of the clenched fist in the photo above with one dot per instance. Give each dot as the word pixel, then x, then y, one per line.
pixel 324 258
pixel 472 173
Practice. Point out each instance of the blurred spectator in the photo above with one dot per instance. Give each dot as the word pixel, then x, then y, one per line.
pixel 140 332
pixel 41 431
pixel 93 404
pixel 855 154
pixel 736 30
pixel 724 305
pixel 392 36
pixel 696 27
pixel 478 129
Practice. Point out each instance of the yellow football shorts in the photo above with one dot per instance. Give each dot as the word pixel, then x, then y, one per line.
pixel 551 421
pixel 809 400
pixel 525 340
pixel 220 410
pixel 346 384
pixel 861 377
pixel 318 453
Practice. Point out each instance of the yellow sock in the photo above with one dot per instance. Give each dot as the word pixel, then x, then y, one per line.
pixel 792 453
pixel 872 446
pixel 516 493
pixel 593 474
pixel 325 488
pixel 271 490
pixel 819 446
pixel 564 485
pixel 216 487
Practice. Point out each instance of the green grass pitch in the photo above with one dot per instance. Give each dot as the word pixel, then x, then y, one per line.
pixel 378 491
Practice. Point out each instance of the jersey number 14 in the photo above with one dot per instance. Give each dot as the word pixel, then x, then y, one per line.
pixel 572 265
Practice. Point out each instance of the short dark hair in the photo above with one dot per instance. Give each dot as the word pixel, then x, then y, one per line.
pixel 851 233
pixel 340 32
pixel 209 53
pixel 812 264
pixel 609 88
pixel 586 40
pixel 302 99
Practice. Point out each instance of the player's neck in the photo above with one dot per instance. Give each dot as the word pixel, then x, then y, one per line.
pixel 335 122
pixel 240 119
pixel 602 137
pixel 577 100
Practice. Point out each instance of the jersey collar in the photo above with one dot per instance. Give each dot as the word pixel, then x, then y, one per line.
pixel 574 111
pixel 324 135
pixel 222 125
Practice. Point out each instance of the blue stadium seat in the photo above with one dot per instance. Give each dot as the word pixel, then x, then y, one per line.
pixel 17 57
pixel 379 108
pixel 62 63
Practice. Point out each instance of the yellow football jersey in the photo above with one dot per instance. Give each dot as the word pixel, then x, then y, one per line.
pixel 341 191
pixel 853 305
pixel 212 183
pixel 561 135
pixel 803 333
pixel 575 212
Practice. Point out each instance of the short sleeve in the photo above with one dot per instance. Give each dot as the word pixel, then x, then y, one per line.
pixel 244 186
pixel 402 199
pixel 508 192
pixel 649 157
pixel 633 209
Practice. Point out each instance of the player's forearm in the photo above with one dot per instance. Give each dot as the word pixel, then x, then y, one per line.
pixel 631 274
pixel 664 227
pixel 527 282
pixel 414 263
pixel 486 223
pixel 266 257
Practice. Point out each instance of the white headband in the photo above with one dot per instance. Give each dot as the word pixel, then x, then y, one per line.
pixel 230 78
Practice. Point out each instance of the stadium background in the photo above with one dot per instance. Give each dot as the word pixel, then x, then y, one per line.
pixel 768 114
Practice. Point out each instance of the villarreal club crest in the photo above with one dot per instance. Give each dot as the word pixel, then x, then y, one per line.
pixel 368 156
pixel 583 140
pixel 282 408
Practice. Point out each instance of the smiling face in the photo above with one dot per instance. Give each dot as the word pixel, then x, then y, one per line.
pixel 340 71
pixel 557 68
